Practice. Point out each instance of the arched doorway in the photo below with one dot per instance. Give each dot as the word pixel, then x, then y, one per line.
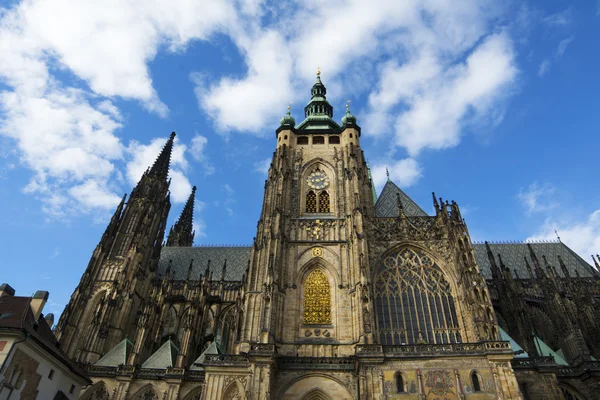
pixel 316 387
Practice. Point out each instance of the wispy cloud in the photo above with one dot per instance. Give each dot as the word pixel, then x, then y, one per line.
pixel 582 236
pixel 561 48
pixel 229 199
pixel 559 19
pixel 198 151
pixel 263 166
pixel 537 197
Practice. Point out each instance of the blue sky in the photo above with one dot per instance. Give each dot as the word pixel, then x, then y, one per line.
pixel 492 104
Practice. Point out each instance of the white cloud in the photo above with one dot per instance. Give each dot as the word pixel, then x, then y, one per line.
pixel 68 135
pixel 558 53
pixel 432 101
pixel 94 195
pixel 562 46
pixel 198 151
pixel 559 19
pixel 537 197
pixel 245 104
pixel 199 224
pixel 143 157
pixel 544 68
pixel 263 166
pixel 422 39
pixel 582 236
pixel 403 173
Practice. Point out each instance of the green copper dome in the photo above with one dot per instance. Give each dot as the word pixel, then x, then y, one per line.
pixel 288 120
pixel 349 118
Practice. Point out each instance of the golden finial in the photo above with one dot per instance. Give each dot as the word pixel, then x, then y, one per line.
pixel 318 70
pixel 348 104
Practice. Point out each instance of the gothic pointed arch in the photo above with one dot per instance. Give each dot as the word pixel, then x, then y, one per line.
pixel 195 394
pixel 413 300
pixel 146 393
pixel 233 392
pixel 570 393
pixel 317 189
pixel 96 392
pixel 316 394
pixel 317 298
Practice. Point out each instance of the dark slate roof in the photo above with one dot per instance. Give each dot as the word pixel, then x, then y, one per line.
pixel 163 358
pixel 118 355
pixel 16 316
pixel 180 258
pixel 513 254
pixel 387 203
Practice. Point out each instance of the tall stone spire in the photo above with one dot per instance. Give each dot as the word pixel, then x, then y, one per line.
pixel 182 234
pixel 160 169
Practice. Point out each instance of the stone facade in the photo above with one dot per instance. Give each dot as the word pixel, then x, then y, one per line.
pixel 340 296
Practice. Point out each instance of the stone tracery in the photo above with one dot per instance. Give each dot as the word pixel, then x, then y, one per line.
pixel 413 301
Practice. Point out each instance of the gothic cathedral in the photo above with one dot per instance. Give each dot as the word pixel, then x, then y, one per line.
pixel 342 295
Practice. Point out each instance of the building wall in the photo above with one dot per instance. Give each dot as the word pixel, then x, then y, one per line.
pixel 33 364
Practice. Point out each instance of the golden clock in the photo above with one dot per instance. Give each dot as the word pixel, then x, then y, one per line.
pixel 317 180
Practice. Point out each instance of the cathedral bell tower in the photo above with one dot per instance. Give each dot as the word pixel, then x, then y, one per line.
pixel 116 285
pixel 303 289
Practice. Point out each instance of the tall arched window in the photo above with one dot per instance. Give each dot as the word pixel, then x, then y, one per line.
pixel 311 202
pixel 317 298
pixel 399 383
pixel 413 301
pixel 324 202
pixel 476 381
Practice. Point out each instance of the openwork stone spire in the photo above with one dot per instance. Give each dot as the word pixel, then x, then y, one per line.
pixel 160 169
pixel 182 234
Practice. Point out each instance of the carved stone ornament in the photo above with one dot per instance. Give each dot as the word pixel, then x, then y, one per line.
pixel 317 252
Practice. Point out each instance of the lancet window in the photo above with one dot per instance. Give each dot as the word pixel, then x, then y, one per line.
pixel 413 301
pixel 324 202
pixel 311 202
pixel 317 298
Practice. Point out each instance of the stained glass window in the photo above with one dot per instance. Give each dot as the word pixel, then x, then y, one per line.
pixel 317 298
pixel 324 202
pixel 311 202
pixel 413 301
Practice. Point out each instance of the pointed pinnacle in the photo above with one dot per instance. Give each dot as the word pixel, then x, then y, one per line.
pixel 160 169
pixel 181 234
pixel 563 267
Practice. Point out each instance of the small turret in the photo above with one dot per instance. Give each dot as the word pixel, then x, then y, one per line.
pixel 288 120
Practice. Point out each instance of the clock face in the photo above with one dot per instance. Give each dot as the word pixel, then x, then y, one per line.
pixel 318 180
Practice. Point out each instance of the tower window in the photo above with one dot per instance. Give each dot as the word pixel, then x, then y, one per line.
pixel 476 382
pixel 311 202
pixel 317 298
pixel 318 140
pixel 334 140
pixel 51 374
pixel 350 136
pixel 302 140
pixel 324 202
